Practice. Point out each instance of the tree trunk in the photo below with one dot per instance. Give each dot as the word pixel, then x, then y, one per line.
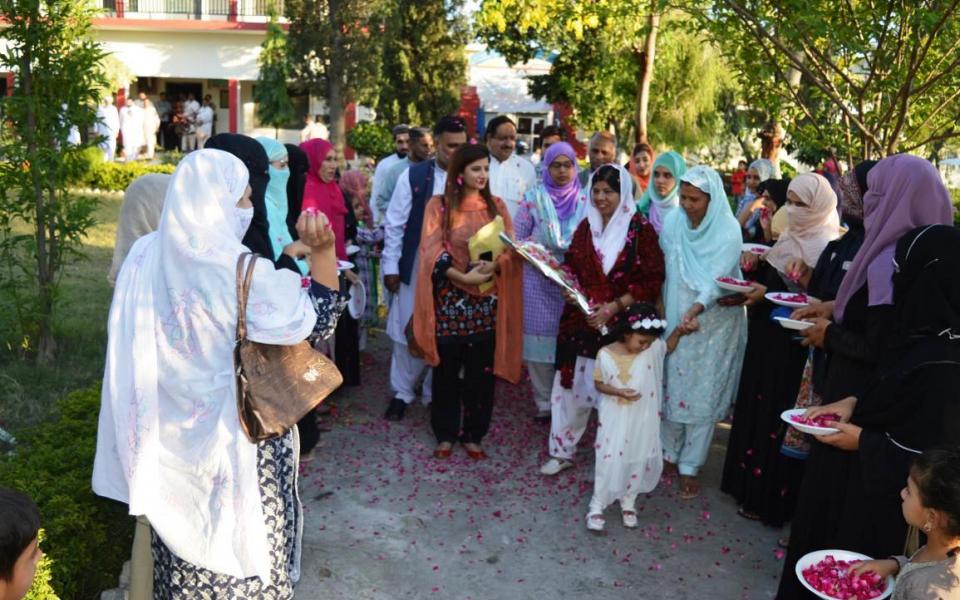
pixel 771 139
pixel 45 345
pixel 336 103
pixel 646 59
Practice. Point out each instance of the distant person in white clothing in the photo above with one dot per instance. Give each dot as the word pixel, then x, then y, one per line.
pixel 151 123
pixel 314 129
pixel 188 123
pixel 510 175
pixel 131 127
pixel 108 128
pixel 204 124
pixel 401 146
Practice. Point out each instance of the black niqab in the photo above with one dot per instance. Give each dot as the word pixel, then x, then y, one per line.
pixel 254 157
pixel 299 164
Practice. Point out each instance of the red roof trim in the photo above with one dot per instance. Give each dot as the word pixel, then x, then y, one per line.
pixel 180 24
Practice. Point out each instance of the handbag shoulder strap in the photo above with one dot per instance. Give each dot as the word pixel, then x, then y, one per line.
pixel 243 291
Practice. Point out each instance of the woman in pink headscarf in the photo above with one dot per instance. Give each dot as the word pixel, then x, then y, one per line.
pixel 322 193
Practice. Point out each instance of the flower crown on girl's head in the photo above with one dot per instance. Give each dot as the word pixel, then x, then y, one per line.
pixel 637 324
pixel 643 318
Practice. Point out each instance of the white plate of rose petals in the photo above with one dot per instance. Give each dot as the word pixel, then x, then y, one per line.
pixel 826 574
pixel 817 426
pixel 344 265
pixel 790 300
pixel 732 284
pixel 757 249
pixel 793 323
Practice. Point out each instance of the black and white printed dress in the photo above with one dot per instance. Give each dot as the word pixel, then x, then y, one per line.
pixel 277 461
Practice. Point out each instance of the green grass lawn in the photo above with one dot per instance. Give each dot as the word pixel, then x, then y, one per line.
pixel 27 391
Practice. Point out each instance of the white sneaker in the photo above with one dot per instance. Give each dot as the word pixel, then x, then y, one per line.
pixel 555 465
pixel 595 522
pixel 629 519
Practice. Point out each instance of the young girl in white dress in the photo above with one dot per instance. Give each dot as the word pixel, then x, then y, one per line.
pixel 628 375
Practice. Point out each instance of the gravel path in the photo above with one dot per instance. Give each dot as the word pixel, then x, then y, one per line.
pixel 385 520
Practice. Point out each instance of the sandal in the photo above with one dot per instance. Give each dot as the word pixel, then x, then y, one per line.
pixel 476 453
pixel 746 514
pixel 595 522
pixel 443 450
pixel 689 487
pixel 629 518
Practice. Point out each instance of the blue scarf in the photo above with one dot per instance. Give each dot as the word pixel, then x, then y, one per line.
pixel 276 200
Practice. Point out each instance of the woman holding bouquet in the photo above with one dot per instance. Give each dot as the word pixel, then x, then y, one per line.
pixel 617 261
pixel 702 242
pixel 458 322
pixel 548 215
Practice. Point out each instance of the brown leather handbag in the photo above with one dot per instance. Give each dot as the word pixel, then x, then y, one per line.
pixel 276 385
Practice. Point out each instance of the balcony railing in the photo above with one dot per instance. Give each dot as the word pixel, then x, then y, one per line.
pixel 193 9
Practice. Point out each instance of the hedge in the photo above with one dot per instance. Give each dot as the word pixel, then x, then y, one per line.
pixel 115 177
pixel 87 537
pixel 371 139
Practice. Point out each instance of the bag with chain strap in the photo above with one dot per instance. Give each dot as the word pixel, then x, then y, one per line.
pixel 276 385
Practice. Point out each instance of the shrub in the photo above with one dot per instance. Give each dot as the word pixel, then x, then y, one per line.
pixel 87 537
pixel 42 589
pixel 370 139
pixel 955 196
pixel 115 177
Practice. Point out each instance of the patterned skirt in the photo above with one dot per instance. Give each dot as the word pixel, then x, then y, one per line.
pixel 176 579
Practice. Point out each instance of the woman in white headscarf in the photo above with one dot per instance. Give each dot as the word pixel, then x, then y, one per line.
pixel 701 242
pixel 617 261
pixel 224 512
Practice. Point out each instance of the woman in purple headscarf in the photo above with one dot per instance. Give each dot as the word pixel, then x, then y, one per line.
pixel 855 331
pixel 548 215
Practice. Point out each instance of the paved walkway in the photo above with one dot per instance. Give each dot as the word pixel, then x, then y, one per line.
pixel 385 520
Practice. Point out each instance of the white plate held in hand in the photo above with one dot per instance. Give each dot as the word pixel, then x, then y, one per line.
pixel 743 286
pixel 756 249
pixel 813 558
pixel 804 427
pixel 790 300
pixel 793 324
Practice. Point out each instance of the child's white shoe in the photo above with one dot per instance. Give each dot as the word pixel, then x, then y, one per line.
pixel 629 519
pixel 595 522
pixel 555 465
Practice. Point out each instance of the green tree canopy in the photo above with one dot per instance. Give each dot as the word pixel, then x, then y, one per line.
pixel 58 80
pixel 600 51
pixel 270 94
pixel 336 52
pixel 424 66
pixel 864 79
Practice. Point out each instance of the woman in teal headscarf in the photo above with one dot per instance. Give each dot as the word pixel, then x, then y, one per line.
pixel 288 252
pixel 663 193
pixel 700 243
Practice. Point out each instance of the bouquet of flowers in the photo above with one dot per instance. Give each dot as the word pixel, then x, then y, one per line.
pixel 545 262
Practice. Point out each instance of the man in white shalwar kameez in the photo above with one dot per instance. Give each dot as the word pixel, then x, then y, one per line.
pixel 151 124
pixel 131 127
pixel 108 128
pixel 510 175
pixel 399 260
pixel 401 144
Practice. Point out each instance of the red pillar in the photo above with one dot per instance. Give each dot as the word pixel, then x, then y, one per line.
pixel 11 81
pixel 234 93
pixel 469 106
pixel 350 119
pixel 563 112
pixel 232 11
pixel 121 97
pixel 120 7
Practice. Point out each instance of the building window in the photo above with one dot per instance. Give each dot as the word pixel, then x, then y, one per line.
pixel 301 108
